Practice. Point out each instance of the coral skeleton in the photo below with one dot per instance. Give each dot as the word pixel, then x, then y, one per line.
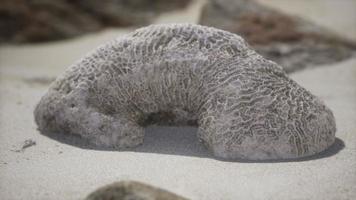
pixel 244 105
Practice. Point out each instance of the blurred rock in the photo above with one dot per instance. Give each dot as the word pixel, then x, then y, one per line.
pixel 290 41
pixel 45 20
pixel 132 190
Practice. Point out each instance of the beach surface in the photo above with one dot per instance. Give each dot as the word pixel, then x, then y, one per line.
pixel 171 157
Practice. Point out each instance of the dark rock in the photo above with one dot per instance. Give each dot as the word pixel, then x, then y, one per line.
pixel 290 41
pixel 46 20
pixel 41 20
pixel 132 190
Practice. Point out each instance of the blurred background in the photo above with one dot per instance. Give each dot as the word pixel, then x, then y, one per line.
pixel 295 34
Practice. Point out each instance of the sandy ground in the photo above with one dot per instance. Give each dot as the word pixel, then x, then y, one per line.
pixel 171 157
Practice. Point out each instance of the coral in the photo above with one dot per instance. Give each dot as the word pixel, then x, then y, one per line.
pixel 245 106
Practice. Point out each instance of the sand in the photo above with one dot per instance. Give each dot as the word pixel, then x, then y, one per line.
pixel 171 157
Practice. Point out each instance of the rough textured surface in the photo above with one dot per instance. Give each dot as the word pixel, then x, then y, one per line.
pixel 290 41
pixel 245 106
pixel 45 20
pixel 132 190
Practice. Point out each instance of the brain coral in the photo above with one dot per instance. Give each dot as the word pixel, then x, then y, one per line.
pixel 245 106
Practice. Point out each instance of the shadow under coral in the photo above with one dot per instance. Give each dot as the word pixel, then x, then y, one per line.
pixel 183 141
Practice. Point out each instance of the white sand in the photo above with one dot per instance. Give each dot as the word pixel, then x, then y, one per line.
pixel 171 158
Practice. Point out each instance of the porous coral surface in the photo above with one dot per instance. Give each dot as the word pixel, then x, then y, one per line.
pixel 246 107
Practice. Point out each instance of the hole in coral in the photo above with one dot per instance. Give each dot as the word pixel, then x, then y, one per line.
pixel 166 118
pixel 173 140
